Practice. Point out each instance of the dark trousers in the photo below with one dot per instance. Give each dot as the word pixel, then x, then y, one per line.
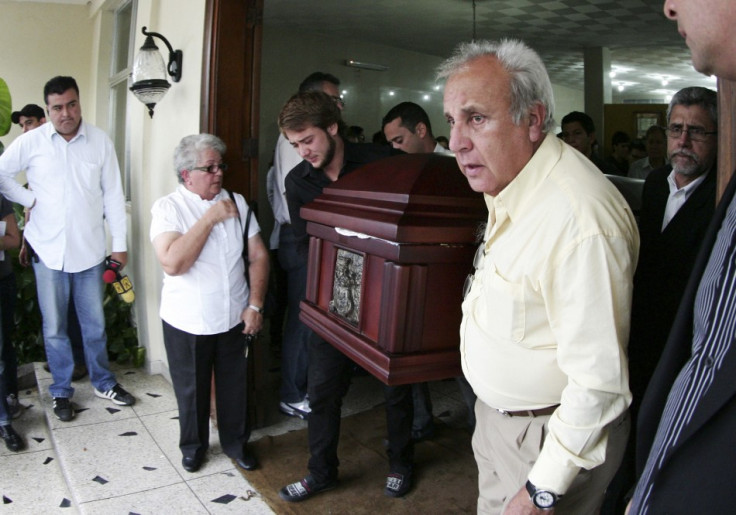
pixel 295 343
pixel 329 380
pixel 8 355
pixel 192 361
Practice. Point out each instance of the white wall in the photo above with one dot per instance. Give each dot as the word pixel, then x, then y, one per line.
pixel 33 52
pixel 152 147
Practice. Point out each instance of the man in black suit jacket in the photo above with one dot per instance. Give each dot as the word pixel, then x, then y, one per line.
pixel 687 420
pixel 677 205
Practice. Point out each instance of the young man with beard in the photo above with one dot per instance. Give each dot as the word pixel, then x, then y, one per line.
pixel 311 122
pixel 294 353
pixel 687 419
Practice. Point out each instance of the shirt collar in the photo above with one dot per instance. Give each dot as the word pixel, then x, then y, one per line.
pixel 519 191
pixel 51 131
pixel 688 188
pixel 196 198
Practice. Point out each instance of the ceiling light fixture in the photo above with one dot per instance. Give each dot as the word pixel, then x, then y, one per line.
pixel 365 66
pixel 149 83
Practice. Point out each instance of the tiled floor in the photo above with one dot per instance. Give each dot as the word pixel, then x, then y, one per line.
pixel 125 460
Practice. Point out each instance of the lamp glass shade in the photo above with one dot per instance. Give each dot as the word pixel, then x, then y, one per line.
pixel 149 76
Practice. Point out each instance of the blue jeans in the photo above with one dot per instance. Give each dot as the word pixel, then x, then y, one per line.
pixel 54 291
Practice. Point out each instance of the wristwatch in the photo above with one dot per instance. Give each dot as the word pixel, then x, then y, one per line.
pixel 255 308
pixel 542 499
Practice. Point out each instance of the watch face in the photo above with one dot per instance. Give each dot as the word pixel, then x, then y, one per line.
pixel 544 499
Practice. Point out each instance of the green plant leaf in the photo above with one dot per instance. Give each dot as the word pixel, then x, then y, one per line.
pixel 6 106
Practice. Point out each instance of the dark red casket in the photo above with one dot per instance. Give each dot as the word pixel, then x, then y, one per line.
pixel 389 297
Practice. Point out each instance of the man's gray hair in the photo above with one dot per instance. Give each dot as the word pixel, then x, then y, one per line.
pixel 530 82
pixel 187 151
pixel 695 95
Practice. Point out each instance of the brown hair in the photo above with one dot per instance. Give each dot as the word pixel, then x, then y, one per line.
pixel 309 108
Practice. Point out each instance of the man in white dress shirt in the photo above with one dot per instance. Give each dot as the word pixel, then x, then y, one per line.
pixel 75 187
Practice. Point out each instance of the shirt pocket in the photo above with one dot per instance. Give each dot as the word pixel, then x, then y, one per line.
pixel 87 176
pixel 503 307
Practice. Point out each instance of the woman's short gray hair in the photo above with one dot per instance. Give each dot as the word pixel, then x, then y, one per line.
pixel 530 82
pixel 187 151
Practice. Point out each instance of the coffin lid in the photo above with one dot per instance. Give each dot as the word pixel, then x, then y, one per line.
pixel 410 198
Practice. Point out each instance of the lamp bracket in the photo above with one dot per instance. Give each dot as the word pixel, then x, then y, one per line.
pixel 175 56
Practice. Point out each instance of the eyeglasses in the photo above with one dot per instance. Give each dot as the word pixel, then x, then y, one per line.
pixel 212 168
pixel 694 133
pixel 477 264
pixel 339 101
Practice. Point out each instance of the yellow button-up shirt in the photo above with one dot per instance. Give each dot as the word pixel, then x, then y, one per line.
pixel 546 320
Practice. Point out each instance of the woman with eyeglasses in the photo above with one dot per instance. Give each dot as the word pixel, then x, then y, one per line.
pixel 209 312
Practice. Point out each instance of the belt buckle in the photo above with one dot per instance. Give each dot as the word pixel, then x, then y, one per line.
pixel 503 412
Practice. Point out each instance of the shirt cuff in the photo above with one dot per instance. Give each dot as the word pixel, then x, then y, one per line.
pixel 119 245
pixel 548 474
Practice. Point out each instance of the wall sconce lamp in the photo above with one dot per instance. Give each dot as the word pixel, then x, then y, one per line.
pixel 149 73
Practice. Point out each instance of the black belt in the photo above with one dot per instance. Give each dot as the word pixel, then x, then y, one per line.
pixel 541 412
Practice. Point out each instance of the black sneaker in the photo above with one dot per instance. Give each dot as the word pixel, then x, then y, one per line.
pixel 117 395
pixel 13 441
pixel 304 489
pixel 398 485
pixel 63 409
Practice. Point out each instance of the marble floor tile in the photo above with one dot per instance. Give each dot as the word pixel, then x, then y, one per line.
pixel 164 427
pixel 120 460
pixel 112 459
pixel 228 492
pixel 173 499
pixel 31 482
pixel 153 393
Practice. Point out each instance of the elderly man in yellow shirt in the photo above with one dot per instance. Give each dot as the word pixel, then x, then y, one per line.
pixel 546 315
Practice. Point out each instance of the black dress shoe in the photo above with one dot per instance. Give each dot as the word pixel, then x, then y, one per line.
pixel 191 463
pixel 13 441
pixel 247 462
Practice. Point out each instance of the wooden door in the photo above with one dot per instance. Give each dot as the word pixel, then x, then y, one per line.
pixel 231 86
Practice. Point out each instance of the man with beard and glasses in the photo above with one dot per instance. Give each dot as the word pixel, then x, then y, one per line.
pixel 677 205
pixel 311 122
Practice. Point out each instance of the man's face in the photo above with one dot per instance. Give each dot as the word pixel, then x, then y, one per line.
pixel 490 149
pixel 687 157
pixel 707 26
pixel 65 112
pixel 314 144
pixel 206 185
pixel 332 90
pixel 574 135
pixel 28 123
pixel 656 146
pixel 402 138
pixel 622 151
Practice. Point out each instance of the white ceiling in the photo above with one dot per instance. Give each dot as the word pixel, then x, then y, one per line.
pixel 638 35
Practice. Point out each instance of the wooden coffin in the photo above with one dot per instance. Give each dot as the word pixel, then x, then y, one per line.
pixel 390 247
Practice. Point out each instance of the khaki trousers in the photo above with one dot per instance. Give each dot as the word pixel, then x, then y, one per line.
pixel 506 448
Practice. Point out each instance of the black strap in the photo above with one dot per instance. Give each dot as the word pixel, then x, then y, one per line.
pixel 246 261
